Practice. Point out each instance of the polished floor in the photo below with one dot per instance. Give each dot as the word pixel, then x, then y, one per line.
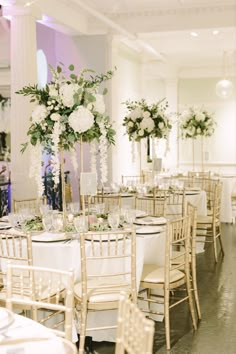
pixel 216 332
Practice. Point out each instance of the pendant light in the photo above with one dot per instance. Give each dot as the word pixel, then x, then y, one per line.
pixel 225 87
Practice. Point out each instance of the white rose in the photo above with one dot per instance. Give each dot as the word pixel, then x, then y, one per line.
pixel 99 104
pixel 146 114
pixel 81 119
pixel 55 117
pixel 161 125
pixel 199 116
pixel 53 92
pixel 199 131
pixel 141 132
pixel 39 113
pixel 67 92
pixel 130 124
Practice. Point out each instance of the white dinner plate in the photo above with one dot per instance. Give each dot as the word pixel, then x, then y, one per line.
pixel 140 213
pixel 49 237
pixel 147 230
pixel 5 226
pixel 151 221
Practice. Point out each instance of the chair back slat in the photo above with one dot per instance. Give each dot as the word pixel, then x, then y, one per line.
pixel 108 258
pixel 47 293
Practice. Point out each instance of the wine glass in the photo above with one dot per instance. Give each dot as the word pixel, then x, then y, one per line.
pixel 113 220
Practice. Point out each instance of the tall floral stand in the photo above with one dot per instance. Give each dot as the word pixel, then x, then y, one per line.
pixel 82 197
pixel 202 152
pixel 140 157
pixel 193 155
pixel 63 187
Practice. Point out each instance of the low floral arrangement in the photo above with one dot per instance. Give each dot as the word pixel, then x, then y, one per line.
pixel 197 122
pixel 145 120
pixel 67 111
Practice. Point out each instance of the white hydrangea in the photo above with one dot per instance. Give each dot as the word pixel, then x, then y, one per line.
pixel 39 113
pixel 161 125
pixel 67 92
pixel 147 124
pixel 99 104
pixel 199 131
pixel 136 113
pixel 81 119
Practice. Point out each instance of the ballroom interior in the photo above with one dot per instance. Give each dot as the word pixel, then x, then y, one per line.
pixel 164 51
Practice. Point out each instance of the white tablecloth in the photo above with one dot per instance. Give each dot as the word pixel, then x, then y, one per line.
pixel 65 256
pixel 25 328
pixel 228 186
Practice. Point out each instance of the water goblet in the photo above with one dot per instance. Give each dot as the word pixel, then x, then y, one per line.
pixel 113 220
pixel 47 221
pixel 57 222
pixel 81 223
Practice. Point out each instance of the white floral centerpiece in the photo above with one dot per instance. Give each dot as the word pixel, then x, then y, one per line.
pixel 197 122
pixel 67 111
pixel 145 120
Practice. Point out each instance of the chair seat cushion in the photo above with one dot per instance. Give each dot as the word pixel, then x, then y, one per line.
pixel 204 219
pixel 154 274
pixel 102 290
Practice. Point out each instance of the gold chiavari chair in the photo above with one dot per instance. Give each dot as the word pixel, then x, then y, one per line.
pixel 31 204
pixel 133 180
pixel 154 206
pixel 209 226
pixel 192 213
pixel 107 269
pixel 47 293
pixel 172 276
pixel 134 331
pixel 175 203
pixel 16 248
pixel 201 174
pixel 110 201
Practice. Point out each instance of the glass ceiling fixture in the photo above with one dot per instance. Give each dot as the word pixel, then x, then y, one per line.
pixel 225 87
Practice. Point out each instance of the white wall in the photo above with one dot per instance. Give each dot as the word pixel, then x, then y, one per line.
pixel 220 149
pixel 126 84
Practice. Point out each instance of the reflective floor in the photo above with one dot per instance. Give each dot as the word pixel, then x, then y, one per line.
pixel 217 290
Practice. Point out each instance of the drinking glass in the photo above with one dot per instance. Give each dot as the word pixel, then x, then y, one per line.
pixel 81 223
pixel 130 216
pixel 47 221
pixel 113 220
pixel 14 219
pixel 57 222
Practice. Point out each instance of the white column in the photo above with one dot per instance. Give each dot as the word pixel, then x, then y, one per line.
pixel 23 72
pixel 172 98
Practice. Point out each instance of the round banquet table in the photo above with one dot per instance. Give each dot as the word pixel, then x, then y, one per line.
pixel 150 248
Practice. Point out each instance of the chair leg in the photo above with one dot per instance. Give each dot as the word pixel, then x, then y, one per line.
pixel 221 243
pixel 195 290
pixel 83 316
pixel 167 318
pixel 214 242
pixel 191 306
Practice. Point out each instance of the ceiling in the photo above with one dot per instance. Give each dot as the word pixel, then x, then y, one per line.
pixel 160 30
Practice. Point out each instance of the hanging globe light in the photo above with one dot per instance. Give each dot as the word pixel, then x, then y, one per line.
pixel 225 87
